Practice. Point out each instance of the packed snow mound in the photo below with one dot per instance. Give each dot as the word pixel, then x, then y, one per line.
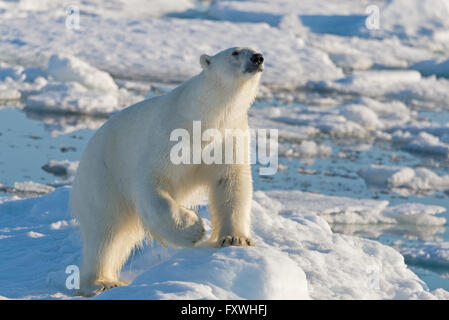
pixel 231 273
pixel 164 49
pixel 66 68
pixel 297 256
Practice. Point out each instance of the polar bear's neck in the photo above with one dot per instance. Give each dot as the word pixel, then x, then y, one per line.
pixel 215 103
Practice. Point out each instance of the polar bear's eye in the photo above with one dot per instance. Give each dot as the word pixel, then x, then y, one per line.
pixel 235 53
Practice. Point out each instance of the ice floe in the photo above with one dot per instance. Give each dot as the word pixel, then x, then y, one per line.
pixel 297 256
pixel 160 49
pixel 427 254
pixel 404 85
pixel 405 180
pixel 63 168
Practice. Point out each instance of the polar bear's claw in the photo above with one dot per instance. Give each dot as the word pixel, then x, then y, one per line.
pixel 236 241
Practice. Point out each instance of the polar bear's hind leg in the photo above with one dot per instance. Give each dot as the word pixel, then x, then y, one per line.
pixel 103 260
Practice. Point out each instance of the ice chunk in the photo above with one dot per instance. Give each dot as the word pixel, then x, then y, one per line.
pixel 63 168
pixel 31 187
pixel 405 180
pixel 406 85
pixel 71 97
pixel 428 254
pixel 427 143
pixel 67 68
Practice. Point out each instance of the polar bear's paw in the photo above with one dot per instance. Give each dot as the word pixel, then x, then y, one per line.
pixel 236 241
pixel 191 227
pixel 100 286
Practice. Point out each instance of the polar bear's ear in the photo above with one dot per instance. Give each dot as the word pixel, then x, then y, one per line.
pixel 205 61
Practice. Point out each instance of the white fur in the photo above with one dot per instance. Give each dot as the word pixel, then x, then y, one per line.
pixel 126 188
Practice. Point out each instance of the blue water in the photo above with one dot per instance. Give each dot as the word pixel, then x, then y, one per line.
pixel 26 145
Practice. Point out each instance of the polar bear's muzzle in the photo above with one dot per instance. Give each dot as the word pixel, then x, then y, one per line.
pixel 255 63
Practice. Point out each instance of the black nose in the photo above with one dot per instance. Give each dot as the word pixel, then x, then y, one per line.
pixel 257 59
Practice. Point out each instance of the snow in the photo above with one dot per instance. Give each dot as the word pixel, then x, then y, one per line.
pixel 426 143
pixel 160 49
pixel 68 85
pixel 65 68
pixel 115 9
pixel 405 180
pixel 273 11
pixel 15 80
pixel 406 19
pixel 252 273
pixel 404 85
pixel 359 118
pixel 73 98
pixel 342 210
pixel 414 18
pixel 297 256
pixel 311 149
pixel 31 187
pixel 363 53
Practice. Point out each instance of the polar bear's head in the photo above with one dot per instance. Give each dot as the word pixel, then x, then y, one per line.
pixel 233 64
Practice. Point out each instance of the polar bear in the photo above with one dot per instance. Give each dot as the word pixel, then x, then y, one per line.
pixel 127 188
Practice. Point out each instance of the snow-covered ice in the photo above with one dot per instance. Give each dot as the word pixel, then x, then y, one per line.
pixel 116 9
pixel 341 210
pixel 404 85
pixel 405 180
pixel 68 68
pixel 160 49
pixel 297 257
pixel 435 254
pixel 63 168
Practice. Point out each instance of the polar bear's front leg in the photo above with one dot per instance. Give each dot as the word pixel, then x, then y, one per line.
pixel 167 221
pixel 230 205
